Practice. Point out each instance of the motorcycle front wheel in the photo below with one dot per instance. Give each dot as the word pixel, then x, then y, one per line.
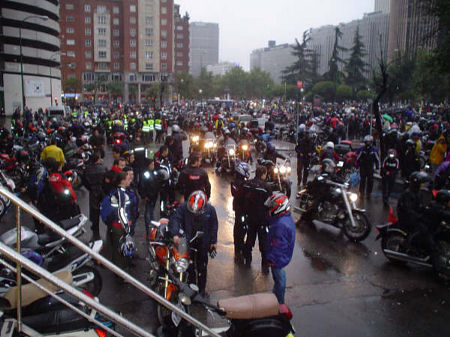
pixel 94 286
pixel 396 242
pixel 362 229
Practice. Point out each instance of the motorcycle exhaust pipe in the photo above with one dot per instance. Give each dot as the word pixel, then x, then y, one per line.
pixel 408 258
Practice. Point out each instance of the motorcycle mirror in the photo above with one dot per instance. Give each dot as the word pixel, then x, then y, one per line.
pixel 198 235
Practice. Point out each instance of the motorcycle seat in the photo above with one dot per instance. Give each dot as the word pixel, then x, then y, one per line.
pixel 69 223
pixel 31 293
pixel 250 306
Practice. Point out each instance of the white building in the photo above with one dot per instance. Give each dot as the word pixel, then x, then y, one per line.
pixel 34 40
pixel 221 68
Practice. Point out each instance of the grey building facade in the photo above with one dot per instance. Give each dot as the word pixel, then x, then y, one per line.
pixel 204 46
pixel 273 59
pixel 383 6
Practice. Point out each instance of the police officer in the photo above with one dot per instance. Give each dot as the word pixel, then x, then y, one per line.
pixel 158 129
pixel 194 178
pixel 367 159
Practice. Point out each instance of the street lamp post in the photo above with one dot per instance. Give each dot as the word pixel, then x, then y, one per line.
pixel 200 91
pixel 50 67
pixel 43 18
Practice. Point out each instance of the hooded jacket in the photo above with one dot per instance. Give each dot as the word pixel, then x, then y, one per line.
pixel 438 152
pixel 280 240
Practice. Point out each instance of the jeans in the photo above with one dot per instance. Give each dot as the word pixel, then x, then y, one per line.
pixel 279 287
pixel 366 177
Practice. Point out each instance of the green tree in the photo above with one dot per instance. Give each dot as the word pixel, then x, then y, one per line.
pixel 356 66
pixel 95 86
pixel 152 92
pixel 326 89
pixel 72 85
pixel 364 95
pixel 259 84
pixel 344 92
pixel 334 74
pixel 184 84
pixel 301 70
pixel 205 82
pixel 115 88
pixel 236 81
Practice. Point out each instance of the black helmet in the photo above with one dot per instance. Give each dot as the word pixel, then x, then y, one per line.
pixel 417 178
pixel 443 197
pixel 162 175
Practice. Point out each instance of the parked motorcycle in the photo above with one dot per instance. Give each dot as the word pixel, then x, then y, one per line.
pixel 8 183
pixel 337 208
pixel 398 248
pixel 278 175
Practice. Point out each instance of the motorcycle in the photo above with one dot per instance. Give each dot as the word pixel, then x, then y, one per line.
pixel 260 142
pixel 257 315
pixel 278 175
pixel 209 150
pixel 5 203
pixel 338 209
pixel 244 151
pixel 397 247
pixel 194 144
pixel 165 257
pixel 228 161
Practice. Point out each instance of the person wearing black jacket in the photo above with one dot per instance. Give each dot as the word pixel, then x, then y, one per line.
pixel 388 174
pixel 149 191
pixel 194 178
pixel 305 150
pixel 98 142
pixel 272 154
pixel 94 178
pixel 256 193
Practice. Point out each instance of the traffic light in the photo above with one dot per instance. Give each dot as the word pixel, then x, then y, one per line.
pixel 56 100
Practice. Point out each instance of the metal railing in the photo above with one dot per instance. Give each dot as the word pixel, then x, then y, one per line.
pixel 20 260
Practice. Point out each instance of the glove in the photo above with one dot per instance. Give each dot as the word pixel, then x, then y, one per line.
pixel 212 253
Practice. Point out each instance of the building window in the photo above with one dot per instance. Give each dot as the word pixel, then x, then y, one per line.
pixel 69 6
pixel 116 77
pixel 164 33
pixel 163 44
pixel 180 36
pixel 87 43
pixel 70 42
pixel 133 67
pixel 88 54
pixel 148 43
pixel 148 20
pixel 102 31
pixel 116 21
pixel 149 31
pixel 163 10
pixel 164 1
pixel 132 8
pixel 148 66
pixel 163 56
pixel 102 43
pixel 148 54
pixel 116 43
pixel 164 66
pixel 132 32
pixel 102 54
pixel 87 31
pixel 87 20
pixel 179 63
pixel 116 54
pixel 116 10
pixel 116 66
pixel 70 19
pixel 102 20
pixel 88 77
pixel 102 66
pixel 70 76
pixel 133 77
pixel 179 28
pixel 101 9
pixel 87 8
pixel 164 22
pixel 116 32
pixel 179 45
pixel 70 30
pixel 89 65
pixel 133 20
pixel 132 54
pixel 132 43
pixel 179 54
pixel 70 53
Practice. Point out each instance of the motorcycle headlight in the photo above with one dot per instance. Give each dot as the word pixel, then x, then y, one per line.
pixel 338 190
pixel 275 170
pixel 214 145
pixel 195 138
pixel 282 169
pixel 208 145
pixel 231 152
pixel 181 265
pixel 289 169
pixel 245 147
pixel 353 197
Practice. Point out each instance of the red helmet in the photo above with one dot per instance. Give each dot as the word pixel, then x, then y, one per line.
pixel 278 204
pixel 196 202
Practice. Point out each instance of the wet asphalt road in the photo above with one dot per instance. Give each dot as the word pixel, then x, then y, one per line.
pixel 334 287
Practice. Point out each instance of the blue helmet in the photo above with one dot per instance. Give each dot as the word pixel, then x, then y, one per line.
pixel 243 169
pixel 127 245
pixel 270 146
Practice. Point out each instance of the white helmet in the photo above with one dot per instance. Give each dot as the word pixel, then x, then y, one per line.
pixel 329 145
pixel 176 128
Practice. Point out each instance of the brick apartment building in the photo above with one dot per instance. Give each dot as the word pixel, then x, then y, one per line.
pixel 139 43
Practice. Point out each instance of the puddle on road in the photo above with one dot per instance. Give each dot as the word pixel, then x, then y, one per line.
pixel 319 262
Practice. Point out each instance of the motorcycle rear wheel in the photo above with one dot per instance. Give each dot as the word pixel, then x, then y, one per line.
pixel 362 229
pixel 95 286
pixel 396 242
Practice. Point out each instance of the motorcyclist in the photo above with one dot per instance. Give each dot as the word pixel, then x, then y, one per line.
pixel 328 152
pixel 305 150
pixel 194 178
pixel 149 191
pixel 411 207
pixel 367 159
pixel 272 154
pixel 242 173
pixel 194 215
pixel 177 146
pixel 388 174
pixel 223 141
pixel 411 158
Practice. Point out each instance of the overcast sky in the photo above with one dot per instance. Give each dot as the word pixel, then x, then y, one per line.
pixel 248 24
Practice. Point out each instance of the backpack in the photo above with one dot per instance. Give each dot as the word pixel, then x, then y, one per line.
pixel 106 209
pixel 62 188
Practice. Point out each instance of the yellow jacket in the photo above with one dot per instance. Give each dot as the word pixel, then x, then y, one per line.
pixel 52 151
pixel 438 152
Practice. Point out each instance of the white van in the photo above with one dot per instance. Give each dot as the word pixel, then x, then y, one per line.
pixel 58 111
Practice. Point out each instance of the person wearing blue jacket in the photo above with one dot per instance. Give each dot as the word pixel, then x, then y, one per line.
pixel 194 215
pixel 280 241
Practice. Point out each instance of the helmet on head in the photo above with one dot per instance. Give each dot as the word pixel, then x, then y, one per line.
pixel 278 204
pixel 175 128
pixel 127 245
pixel 244 129
pixel 243 169
pixel 328 166
pixel 392 153
pixel 196 202
pixel 368 139
pixel 443 196
pixel 329 145
pixel 301 127
pixel 410 142
pixel 418 178
pixel 227 132
pixel 270 146
pixel 162 175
